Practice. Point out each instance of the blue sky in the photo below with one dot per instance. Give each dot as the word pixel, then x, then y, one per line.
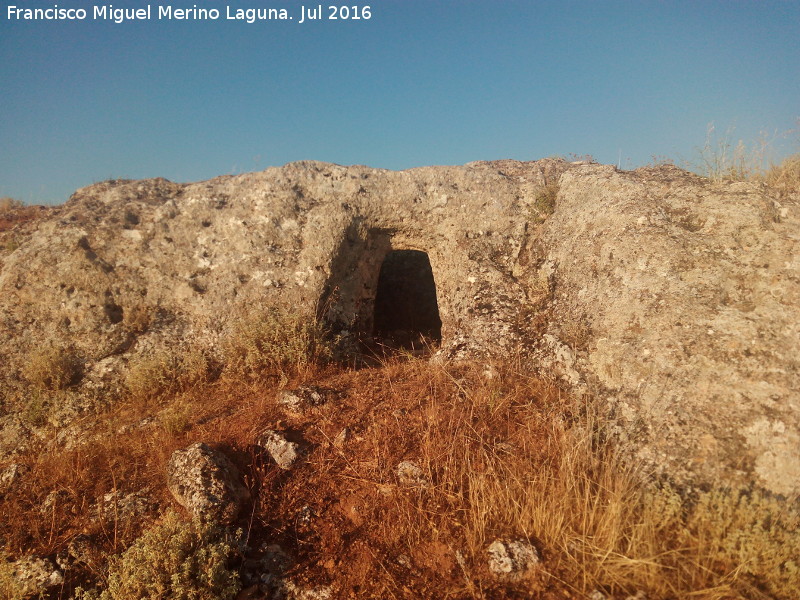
pixel 420 83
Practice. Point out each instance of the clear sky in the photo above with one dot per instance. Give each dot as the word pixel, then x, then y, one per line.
pixel 420 83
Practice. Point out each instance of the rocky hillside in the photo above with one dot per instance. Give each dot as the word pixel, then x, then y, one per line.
pixel 547 379
pixel 671 300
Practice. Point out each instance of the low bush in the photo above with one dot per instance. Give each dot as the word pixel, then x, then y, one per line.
pixel 174 560
pixel 275 343
pixel 166 372
pixel 52 368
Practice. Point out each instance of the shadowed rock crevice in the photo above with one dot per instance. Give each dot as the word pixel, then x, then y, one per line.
pixel 348 298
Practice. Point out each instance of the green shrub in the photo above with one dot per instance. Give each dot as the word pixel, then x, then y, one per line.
pixel 174 560
pixel 545 203
pixel 275 342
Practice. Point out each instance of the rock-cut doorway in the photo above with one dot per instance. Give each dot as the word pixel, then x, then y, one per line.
pixel 406 309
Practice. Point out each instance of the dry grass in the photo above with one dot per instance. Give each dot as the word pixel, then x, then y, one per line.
pixel 506 454
pixel 723 160
pixel 8 204
pixel 274 343
pixel 52 368
pixel 785 177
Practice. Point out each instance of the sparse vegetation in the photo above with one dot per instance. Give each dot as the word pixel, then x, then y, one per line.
pixel 177 560
pixel 275 343
pixel 785 177
pixel 507 454
pixel 8 204
pixel 723 160
pixel 52 368
pixel 176 418
pixel 36 408
pixel 10 244
pixel 545 202
pixel 166 372
pixel 138 318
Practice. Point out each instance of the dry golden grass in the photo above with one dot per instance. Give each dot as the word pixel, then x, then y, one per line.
pixel 51 368
pixel 8 204
pixel 723 160
pixel 274 343
pixel 785 177
pixel 506 454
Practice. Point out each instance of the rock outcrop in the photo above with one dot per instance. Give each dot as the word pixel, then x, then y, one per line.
pixel 670 300
pixel 283 451
pixel 206 483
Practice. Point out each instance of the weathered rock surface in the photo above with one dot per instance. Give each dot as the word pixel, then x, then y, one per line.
pixel 283 451
pixel 411 474
pixel 206 483
pixel 10 475
pixel 34 576
pixel 303 398
pixel 512 560
pixel 672 300
pixel 115 506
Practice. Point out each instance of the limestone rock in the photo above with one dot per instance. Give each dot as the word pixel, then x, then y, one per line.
pixel 288 590
pixel 14 436
pixel 114 506
pixel 411 474
pixel 512 560
pixel 34 576
pixel 10 475
pixel 303 398
pixel 672 301
pixel 282 451
pixel 269 568
pixel 341 438
pixel 206 483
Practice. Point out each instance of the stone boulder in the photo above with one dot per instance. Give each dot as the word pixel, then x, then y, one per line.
pixel 206 483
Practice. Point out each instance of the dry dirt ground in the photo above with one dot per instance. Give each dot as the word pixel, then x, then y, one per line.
pixel 502 454
pixel 341 512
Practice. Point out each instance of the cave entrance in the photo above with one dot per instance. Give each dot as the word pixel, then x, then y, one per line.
pixel 406 310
